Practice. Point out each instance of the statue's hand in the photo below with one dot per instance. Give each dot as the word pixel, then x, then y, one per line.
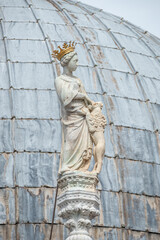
pixel 85 110
pixel 90 102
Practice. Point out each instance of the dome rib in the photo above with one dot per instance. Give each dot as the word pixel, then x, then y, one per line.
pixel 127 59
pixel 30 144
pixel 141 38
pixel 89 53
pixel 8 62
pixel 44 35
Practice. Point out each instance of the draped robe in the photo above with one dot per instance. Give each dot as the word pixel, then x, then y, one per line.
pixel 76 140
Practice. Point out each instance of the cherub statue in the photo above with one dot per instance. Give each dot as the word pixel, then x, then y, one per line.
pixel 82 120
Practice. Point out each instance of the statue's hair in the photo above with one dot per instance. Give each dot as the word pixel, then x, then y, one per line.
pixel 65 60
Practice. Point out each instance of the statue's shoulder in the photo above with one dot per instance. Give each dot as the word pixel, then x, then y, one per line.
pixel 59 80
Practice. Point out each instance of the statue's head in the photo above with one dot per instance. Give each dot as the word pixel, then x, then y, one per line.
pixel 70 61
pixel 67 56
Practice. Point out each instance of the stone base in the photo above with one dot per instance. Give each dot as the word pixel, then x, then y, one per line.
pixel 78 203
pixel 79 237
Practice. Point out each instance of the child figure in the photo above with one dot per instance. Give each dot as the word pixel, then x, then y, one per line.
pixel 96 123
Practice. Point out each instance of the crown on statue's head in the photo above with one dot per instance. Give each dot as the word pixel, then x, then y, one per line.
pixel 67 48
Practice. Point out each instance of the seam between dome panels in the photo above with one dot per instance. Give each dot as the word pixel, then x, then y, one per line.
pixel 140 37
pixel 92 59
pixel 123 52
pixel 101 190
pixel 43 33
pixel 73 24
pixel 8 62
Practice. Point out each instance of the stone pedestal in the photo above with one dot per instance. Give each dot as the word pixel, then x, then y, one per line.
pixel 78 203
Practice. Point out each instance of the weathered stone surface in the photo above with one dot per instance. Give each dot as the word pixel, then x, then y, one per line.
pixel 6 170
pixel 36 169
pixel 7 206
pixel 78 203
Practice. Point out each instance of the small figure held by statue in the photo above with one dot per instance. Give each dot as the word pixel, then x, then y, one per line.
pixel 83 123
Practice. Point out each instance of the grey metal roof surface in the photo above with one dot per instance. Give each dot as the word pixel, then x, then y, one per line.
pixel 119 65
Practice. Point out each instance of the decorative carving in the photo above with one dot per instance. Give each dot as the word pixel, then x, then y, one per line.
pixel 82 120
pixel 79 204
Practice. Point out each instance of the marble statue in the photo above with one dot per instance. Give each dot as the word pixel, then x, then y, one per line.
pixel 82 120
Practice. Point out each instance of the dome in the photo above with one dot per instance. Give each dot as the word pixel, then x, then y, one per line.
pixel 119 65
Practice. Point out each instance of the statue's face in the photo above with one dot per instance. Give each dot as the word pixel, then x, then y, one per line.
pixel 73 63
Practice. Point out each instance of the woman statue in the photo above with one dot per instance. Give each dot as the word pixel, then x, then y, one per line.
pixel 82 120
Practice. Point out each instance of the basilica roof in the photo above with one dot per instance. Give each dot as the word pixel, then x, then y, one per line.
pixel 119 65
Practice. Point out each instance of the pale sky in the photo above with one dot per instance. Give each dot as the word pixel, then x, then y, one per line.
pixel 143 13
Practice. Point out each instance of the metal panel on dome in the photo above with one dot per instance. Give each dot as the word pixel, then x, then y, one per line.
pixel 136 144
pixel 4 79
pixel 6 141
pixel 121 68
pixel 33 76
pixel 152 89
pixel 118 27
pixel 120 84
pixel 36 169
pixel 133 44
pixel 149 69
pixel 110 58
pixel 133 113
pixel 18 15
pixel 5 101
pixel 41 4
pixel 28 51
pixel 41 201
pixel 7 169
pixel 49 16
pixel 7 203
pixel 18 3
pixel 2 51
pixel 37 135
pixel 61 32
pixel 16 30
pixel 155 109
pixel 35 104
pixel 85 21
pixel 97 37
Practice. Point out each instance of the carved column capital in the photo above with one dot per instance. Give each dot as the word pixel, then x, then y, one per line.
pixel 78 203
